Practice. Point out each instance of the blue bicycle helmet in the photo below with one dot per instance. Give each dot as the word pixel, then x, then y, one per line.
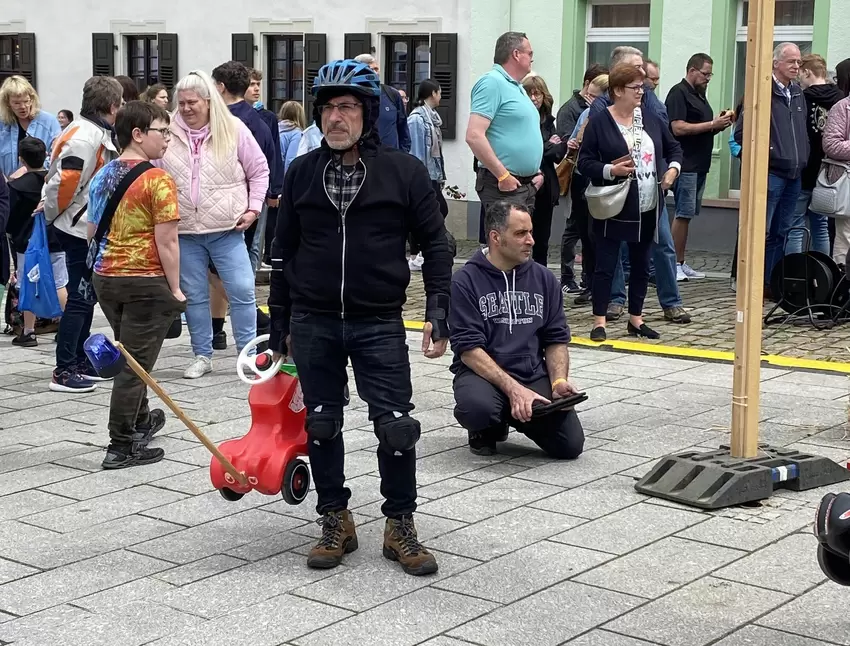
pixel 347 75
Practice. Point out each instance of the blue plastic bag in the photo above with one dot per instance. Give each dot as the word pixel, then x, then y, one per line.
pixel 35 278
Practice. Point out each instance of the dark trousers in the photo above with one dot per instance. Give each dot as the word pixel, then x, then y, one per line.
pixel 444 211
pixel 607 256
pixel 541 221
pixel 271 225
pixel 480 407
pixel 487 187
pixel 140 309
pixel 578 228
pixel 75 324
pixel 377 346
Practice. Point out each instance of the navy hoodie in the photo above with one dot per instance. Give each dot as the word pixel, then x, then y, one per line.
pixel 514 331
pixel 251 118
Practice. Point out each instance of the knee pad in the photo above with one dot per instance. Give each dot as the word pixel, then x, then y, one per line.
pixel 397 433
pixel 322 426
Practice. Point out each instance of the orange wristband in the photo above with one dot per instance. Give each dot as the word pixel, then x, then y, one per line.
pixel 504 177
pixel 559 380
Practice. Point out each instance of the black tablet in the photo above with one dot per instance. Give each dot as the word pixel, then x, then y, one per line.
pixel 539 409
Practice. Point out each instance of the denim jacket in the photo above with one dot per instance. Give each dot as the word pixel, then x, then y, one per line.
pixel 44 127
pixel 420 147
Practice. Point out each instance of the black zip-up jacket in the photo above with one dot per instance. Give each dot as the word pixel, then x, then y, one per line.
pixel 356 266
pixel 819 101
pixel 569 113
pixel 789 136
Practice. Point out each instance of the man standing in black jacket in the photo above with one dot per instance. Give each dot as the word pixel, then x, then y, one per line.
pixel 338 282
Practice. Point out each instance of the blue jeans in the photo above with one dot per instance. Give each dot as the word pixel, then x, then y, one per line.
pixel 688 191
pixel 817 224
pixel 230 256
pixel 75 324
pixel 782 196
pixel 663 258
pixel 256 249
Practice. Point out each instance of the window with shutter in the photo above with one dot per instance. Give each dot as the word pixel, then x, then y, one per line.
pixel 242 46
pixel 143 60
pixel 315 56
pixel 356 44
pixel 285 71
pixel 167 47
pixel 17 56
pixel 444 71
pixel 103 54
pixel 408 62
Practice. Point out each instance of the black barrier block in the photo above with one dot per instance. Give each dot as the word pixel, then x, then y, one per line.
pixel 715 479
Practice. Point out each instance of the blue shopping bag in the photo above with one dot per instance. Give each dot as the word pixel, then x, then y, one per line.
pixel 35 278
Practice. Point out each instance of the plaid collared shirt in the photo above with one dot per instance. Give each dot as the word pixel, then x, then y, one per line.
pixel 342 184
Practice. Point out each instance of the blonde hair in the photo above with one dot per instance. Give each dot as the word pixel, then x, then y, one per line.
pixel 532 82
pixel 15 86
pixel 601 82
pixel 293 111
pixel 223 125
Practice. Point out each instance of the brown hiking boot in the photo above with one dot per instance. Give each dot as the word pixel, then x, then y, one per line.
pixel 338 538
pixel 402 545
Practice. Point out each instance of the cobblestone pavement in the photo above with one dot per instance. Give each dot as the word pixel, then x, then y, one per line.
pixel 711 304
pixel 531 551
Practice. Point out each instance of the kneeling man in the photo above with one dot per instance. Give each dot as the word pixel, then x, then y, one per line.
pixel 509 336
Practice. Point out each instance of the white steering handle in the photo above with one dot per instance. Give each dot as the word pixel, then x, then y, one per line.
pixel 250 362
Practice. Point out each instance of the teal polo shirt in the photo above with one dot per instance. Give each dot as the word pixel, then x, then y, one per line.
pixel 514 132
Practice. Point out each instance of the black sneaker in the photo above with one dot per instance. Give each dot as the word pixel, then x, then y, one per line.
pixel 570 287
pixel 598 334
pixel 220 340
pixel 584 298
pixel 156 423
pixel 484 442
pixel 25 340
pixel 68 381
pixel 121 457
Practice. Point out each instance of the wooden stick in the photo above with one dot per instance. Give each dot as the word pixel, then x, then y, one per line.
pixel 751 230
pixel 144 376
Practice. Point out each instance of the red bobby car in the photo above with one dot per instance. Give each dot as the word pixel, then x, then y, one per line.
pixel 268 454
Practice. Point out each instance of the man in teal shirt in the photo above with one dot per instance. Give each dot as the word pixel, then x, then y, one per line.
pixel 504 128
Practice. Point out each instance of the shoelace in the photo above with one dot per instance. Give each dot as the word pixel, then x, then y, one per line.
pixel 331 531
pixel 406 533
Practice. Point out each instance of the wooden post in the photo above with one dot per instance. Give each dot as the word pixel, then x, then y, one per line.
pixel 212 448
pixel 751 229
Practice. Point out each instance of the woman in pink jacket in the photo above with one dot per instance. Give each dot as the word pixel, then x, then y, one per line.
pixel 222 178
pixel 836 145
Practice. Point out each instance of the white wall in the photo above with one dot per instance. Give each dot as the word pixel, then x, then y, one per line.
pixel 63 38
pixel 686 30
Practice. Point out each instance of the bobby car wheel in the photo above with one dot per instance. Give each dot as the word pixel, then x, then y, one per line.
pixel 230 495
pixel 296 482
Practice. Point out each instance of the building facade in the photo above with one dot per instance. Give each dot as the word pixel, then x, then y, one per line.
pixel 59 46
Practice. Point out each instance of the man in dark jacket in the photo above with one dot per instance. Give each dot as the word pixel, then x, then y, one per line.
pixel 392 122
pixel 569 113
pixel 509 337
pixel 788 155
pixel 338 282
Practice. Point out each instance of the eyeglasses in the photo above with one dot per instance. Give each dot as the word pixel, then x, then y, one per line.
pixel 707 75
pixel 637 88
pixel 345 109
pixel 165 132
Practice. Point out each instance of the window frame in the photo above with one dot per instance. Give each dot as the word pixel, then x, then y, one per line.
pixel 130 56
pixel 15 42
pixel 411 86
pixel 271 101
pixel 617 35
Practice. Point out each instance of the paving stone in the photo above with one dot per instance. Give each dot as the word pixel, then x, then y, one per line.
pixel 733 533
pixel 40 455
pixel 103 509
pixel 590 465
pixel 598 396
pixel 193 482
pixel 442 489
pixel 122 595
pixel 10 571
pixel 269 546
pixel 630 528
pixel 769 567
pixel 646 572
pixel 451 464
pixel 202 569
pixel 506 579
pixel 216 537
pixel 820 614
pixel 370 580
pixel 405 621
pixel 441 439
pixel 758 636
pixel 267 623
pixel 37 476
pixel 71 409
pixel 699 613
pixel 365 490
pixel 196 510
pixel 74 581
pixel 98 484
pixel 658 442
pixel 489 499
pixel 494 472
pixel 445 641
pixel 19 628
pixel 503 534
pixel 595 499
pixel 601 637
pixel 29 502
pixel 132 625
pixel 218 595
pixel 520 622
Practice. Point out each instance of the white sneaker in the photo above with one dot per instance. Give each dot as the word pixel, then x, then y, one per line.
pixel 198 368
pixel 690 273
pixel 415 262
pixel 680 275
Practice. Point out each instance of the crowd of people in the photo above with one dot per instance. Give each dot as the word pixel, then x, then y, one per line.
pixel 164 205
